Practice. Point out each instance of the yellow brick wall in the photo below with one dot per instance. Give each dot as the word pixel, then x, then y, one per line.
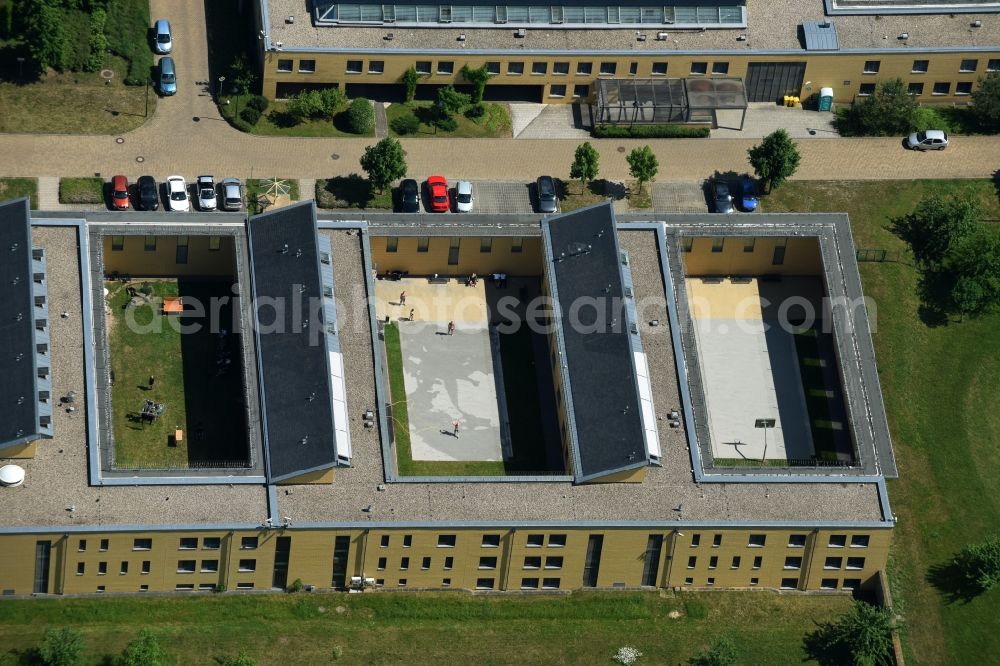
pixel 134 260
pixel 500 258
pixel 802 257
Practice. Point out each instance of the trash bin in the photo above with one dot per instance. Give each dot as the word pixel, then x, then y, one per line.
pixel 825 99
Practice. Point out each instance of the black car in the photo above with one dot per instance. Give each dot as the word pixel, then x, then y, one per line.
pixel 409 195
pixel 149 197
pixel 547 202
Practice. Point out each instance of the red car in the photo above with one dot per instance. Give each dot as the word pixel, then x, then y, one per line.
pixel 119 192
pixel 438 187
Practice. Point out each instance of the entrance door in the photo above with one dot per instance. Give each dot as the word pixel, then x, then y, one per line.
pixel 341 545
pixel 771 81
pixel 592 564
pixel 43 550
pixel 282 550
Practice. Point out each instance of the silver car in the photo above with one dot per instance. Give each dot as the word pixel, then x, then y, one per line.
pixel 929 140
pixel 232 194
pixel 206 193
pixel 164 38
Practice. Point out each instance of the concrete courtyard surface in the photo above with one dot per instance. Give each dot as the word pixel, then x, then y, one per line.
pixel 435 303
pixel 766 117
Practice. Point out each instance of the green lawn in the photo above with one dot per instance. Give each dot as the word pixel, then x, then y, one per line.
pixel 494 124
pixel 940 388
pixel 429 628
pixel 87 190
pixel 276 121
pixel 206 405
pixel 14 188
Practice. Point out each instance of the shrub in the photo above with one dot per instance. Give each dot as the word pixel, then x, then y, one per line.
pixel 450 100
pixel 61 647
pixel 296 585
pixel 408 124
pixel 889 111
pixel 980 563
pixel 126 28
pixel 322 103
pixel 475 111
pixel 98 41
pixel 986 102
pixel 446 124
pixel 361 116
pixel 250 114
pixel 144 650
pixel 258 102
pixel 410 79
pixel 649 132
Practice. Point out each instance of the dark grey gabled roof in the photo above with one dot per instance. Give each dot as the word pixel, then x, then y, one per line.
pixel 292 354
pixel 584 269
pixel 19 408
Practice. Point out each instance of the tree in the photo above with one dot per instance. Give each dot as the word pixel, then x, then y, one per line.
pixel 586 162
pixel 384 162
pixel 44 33
pixel 642 165
pixel 144 650
pixel 980 563
pixel 61 647
pixel 410 80
pixel 478 78
pixel 240 660
pixel 98 40
pixel 243 77
pixel 450 101
pixel 775 159
pixel 721 653
pixel 935 226
pixel 361 116
pixel 890 110
pixel 973 264
pixel 861 636
pixel 986 102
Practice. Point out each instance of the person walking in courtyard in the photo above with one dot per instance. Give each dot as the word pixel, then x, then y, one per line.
pixel 451 328
pixel 402 298
pixel 152 379
pixel 454 426
pixel 411 314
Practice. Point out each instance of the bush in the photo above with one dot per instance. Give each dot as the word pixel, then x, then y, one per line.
pixel 408 124
pixel 296 585
pixel 61 647
pixel 98 41
pixel 889 111
pixel 322 103
pixel 125 29
pixel 361 117
pixel 446 124
pixel 475 111
pixel 980 563
pixel 649 132
pixel 250 114
pixel 258 102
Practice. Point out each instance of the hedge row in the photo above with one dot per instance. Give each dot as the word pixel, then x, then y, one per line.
pixel 127 31
pixel 650 132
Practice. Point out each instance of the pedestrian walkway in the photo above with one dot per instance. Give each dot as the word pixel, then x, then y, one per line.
pixel 765 117
pixel 522 114
pixel 555 121
pixel 381 123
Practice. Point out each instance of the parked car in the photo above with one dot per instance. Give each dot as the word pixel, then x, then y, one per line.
pixel 232 194
pixel 177 194
pixel 748 200
pixel 929 140
pixel 168 76
pixel 438 187
pixel 206 193
pixel 163 41
pixel 119 192
pixel 464 197
pixel 721 197
pixel 409 196
pixel 149 195
pixel 547 202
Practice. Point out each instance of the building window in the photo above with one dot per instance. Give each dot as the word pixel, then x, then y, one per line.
pixel 533 563
pixel 609 68
pixel 487 563
pixel 381 564
pixel 855 563
pixel 449 563
pixel 392 243
pixel 244 586
pixel 736 562
pixel 187 566
pixel 550 583
pixel 866 89
pixel 529 583
pixel 993 65
pixel 718 243
pixel 710 582
pixel 210 566
pixel 587 68
pixel 581 90
pixel 553 562
pixel 182 587
pixel 206 587
pixel 117 243
pixel 560 68
pixel 535 540
pixel 248 543
pixel 446 541
pixel 963 88
pixel 491 540
pixel 859 541
pixel 446 67
pixel 517 244
pixel 149 245
pixel 493 67
pixel 716 541
pixel 748 244
pixel 828 584
pixel 248 565
pixel 145 567
pixel 833 563
pixel 872 66
pixel 485 245
pixel 211 543
pixel 104 545
pixel 484 583
pixel 797 541
pixel 181 254
pixel 189 543
pixel 754 581
pixel 425 564
pixel 142 544
pixel 941 88
pixel 384 542
pixel 404 564
pixel 713 562
pixel 687 244
pixel 837 541
pixel 695 540
pixel 80 568
pixel 852 583
pixel 539 68
pixel 214 243
pixel 557 540
pixel 920 66
pixel 689 581
pixel 789 583
pixel 376 66
pixel 699 68
pixel 692 561
pixel 422 66
pixel 446 582
pixel 633 68
pixel 758 561
pixel 720 68
pixel 793 562
pixel 968 65
pixel 423 244
pixel 82 546
pixel 407 540
pixel 355 66
pixel 144 588
pixel 557 90
pixel 307 66
pixel 515 68
pixel 284 65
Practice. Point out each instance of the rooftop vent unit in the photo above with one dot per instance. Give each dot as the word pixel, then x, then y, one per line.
pixel 389 37
pixel 661 36
pixel 641 38
pixel 742 38
pixel 521 33
pixel 977 24
pixel 461 37
pixel 904 35
pixel 289 19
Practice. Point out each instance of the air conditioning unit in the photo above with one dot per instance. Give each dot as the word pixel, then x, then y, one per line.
pixel 904 35
pixel 290 19
pixel 977 24
pixel 521 33
pixel 661 36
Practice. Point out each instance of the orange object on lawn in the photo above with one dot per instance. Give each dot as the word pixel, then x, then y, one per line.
pixel 173 305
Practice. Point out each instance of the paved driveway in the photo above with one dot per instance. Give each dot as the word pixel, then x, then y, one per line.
pixel 683 196
pixel 497 197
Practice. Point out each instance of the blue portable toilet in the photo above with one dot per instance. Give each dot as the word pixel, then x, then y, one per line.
pixel 825 99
